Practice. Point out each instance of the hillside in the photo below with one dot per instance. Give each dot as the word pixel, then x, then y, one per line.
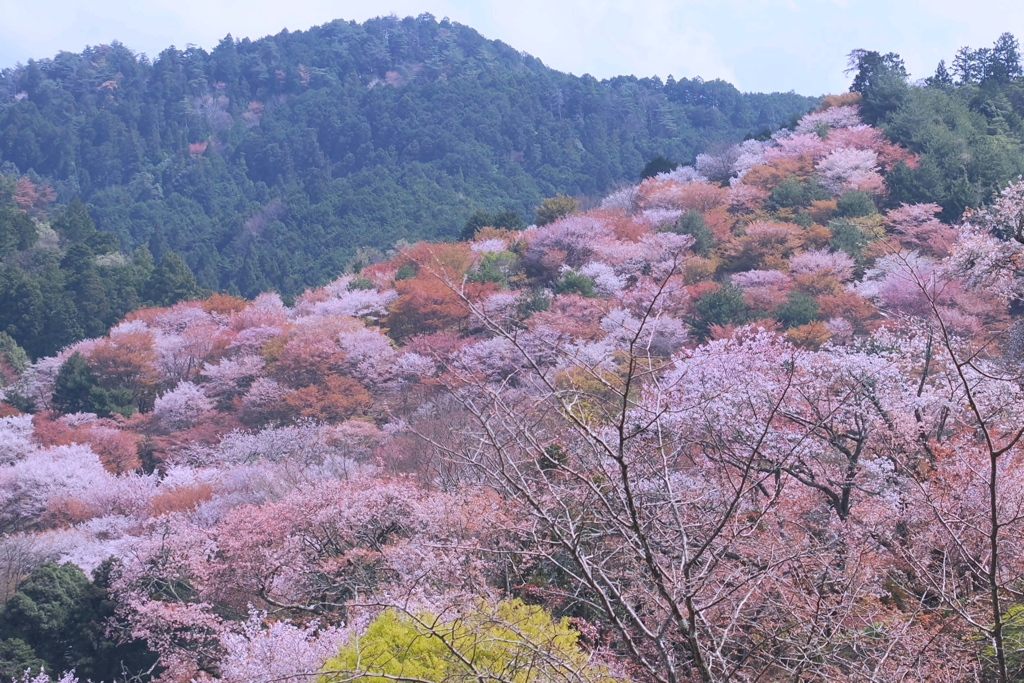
pixel 758 417
pixel 266 163
pixel 754 428
pixel 965 122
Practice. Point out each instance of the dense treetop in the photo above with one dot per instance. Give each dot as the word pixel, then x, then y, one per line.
pixel 754 417
pixel 61 279
pixel 966 123
pixel 745 420
pixel 266 163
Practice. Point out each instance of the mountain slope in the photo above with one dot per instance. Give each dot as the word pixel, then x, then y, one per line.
pixel 267 162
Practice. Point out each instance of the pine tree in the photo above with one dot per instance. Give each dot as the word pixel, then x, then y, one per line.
pixel 76 388
pixel 941 77
pixel 75 223
pixel 1004 60
pixel 172 281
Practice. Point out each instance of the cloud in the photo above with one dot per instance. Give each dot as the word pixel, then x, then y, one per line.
pixel 606 37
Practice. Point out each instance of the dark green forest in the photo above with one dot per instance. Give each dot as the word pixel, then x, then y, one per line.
pixel 966 123
pixel 266 163
pixel 64 280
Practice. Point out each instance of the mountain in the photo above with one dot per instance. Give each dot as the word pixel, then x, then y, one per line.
pixel 266 163
pixel 749 394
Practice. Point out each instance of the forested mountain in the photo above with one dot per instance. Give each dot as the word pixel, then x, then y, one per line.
pixel 753 418
pixel 966 123
pixel 266 163
pixel 745 420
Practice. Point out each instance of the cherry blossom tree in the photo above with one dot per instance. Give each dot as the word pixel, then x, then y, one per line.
pixel 695 468
pixel 917 228
pixel 850 169
pixel 182 407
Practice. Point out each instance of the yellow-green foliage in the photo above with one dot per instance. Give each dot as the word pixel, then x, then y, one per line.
pixel 510 642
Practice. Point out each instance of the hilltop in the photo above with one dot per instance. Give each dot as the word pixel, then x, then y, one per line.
pixel 267 163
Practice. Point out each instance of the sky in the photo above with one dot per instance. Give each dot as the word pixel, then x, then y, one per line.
pixel 759 45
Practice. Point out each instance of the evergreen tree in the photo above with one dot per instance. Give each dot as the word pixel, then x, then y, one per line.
pixel 692 223
pixel 172 281
pixel 18 231
pixel 798 310
pixel 74 223
pixel 11 355
pixel 251 278
pixel 41 610
pixel 24 311
pixel 881 80
pixel 333 166
pixel 941 77
pixel 75 389
pixel 157 245
pixel 60 619
pixel 659 164
pixel 86 290
pixel 553 208
pixel 722 306
pixel 854 204
pixel 968 66
pixel 508 220
pixel 1004 60
pixel 17 657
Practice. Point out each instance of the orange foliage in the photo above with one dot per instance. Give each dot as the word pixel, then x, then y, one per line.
pixel 816 236
pixel 716 332
pixel 720 222
pixel 845 99
pixel 699 289
pixel 449 260
pixel 118 450
pixel 697 269
pixel 336 398
pixel 65 511
pixel 574 315
pixel 822 210
pixel 209 431
pixel 7 410
pixel 623 226
pixel 425 304
pixel 127 359
pixel 179 499
pixel 491 233
pixel 766 244
pixel 818 284
pixel 224 303
pixel 767 176
pixel 850 305
pixel 699 196
pixel 308 354
pixel 33 198
pixel 809 336
pixel 147 314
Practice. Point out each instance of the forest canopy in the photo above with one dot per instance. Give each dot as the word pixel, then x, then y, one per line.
pixel 266 163
pixel 756 416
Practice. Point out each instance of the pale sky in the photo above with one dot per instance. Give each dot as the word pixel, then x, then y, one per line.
pixel 759 45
